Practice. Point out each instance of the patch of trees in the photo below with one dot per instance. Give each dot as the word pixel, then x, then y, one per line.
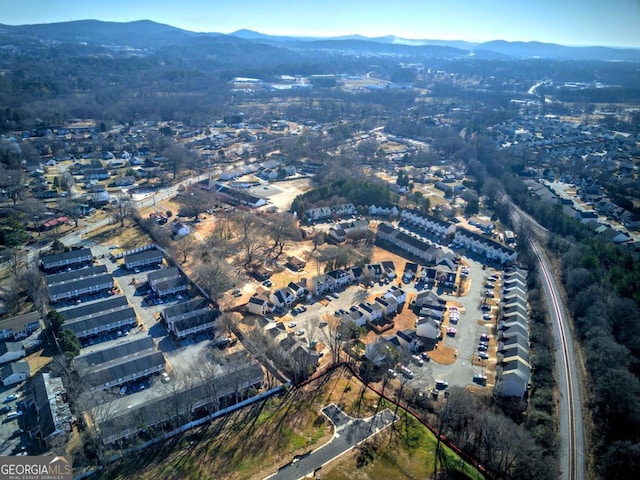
pixel 358 192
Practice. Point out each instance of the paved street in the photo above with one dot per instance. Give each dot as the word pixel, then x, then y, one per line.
pixel 348 433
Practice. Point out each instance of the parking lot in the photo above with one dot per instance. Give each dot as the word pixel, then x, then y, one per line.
pixel 12 440
pixel 468 329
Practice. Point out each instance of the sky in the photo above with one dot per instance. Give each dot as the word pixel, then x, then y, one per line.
pixel 567 22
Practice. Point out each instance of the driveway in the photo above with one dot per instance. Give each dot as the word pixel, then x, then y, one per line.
pixel 349 432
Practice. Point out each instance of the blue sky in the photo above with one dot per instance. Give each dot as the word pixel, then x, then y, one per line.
pixel 568 22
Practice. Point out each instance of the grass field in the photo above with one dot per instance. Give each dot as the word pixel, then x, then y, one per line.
pixel 254 442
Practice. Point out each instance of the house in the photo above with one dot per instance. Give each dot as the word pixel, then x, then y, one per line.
pixel 431 299
pixel 234 382
pixel 81 312
pixel 396 293
pixel 275 331
pixel 94 360
pixel 298 289
pixel 389 269
pixel 428 223
pixel 81 287
pixel 513 380
pixel 428 328
pixel 446 275
pixel 387 211
pixel 17 328
pixel 15 372
pixel 147 258
pixel 372 311
pixel 52 223
pixel 53 417
pixel 179 229
pixel 97 324
pixel 72 275
pixel 483 224
pixel 389 305
pixel 485 246
pixel 283 297
pixel 356 316
pixel 321 284
pixel 340 278
pixel 11 351
pixel 409 340
pixel 113 375
pixel 66 260
pixel 382 351
pixel 171 286
pixel 296 264
pixel 193 324
pixel 261 272
pixel 259 305
pixel 153 278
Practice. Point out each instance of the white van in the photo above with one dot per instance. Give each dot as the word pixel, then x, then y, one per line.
pixel 12 415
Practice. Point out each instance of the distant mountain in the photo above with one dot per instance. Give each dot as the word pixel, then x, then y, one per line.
pixel 555 51
pixel 147 34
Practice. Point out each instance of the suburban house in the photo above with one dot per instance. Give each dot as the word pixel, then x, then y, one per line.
pixel 298 289
pixel 81 287
pixel 409 340
pixel 259 305
pixel 321 284
pixel 428 328
pixel 389 305
pixel 431 300
pixel 372 311
pixel 11 351
pixel 428 223
pixel 15 372
pixel 116 374
pixel 296 264
pixel 396 293
pixel 67 260
pixel 261 272
pixel 323 213
pixel 97 324
pixel 409 242
pixel 381 351
pixel 389 268
pixel 491 249
pixel 17 328
pixel 356 316
pixel 283 297
pixel 146 258
pixel 383 211
pixel 53 414
pixel 155 277
pixel 179 229
pixel 341 278
pixel 514 377
pixel 446 275
pixel 484 224
pixel 341 231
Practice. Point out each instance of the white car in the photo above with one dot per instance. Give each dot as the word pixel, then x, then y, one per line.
pixel 300 332
pixel 292 324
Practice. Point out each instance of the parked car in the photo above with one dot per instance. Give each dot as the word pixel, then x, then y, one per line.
pixel 483 356
pixel 392 373
pixel 11 398
pixel 292 324
pixel 482 347
pixel 12 415
pixel 328 298
pixel 300 332
pixel 479 378
pixel 486 316
pixel 425 356
pixel 441 384
pixel 451 332
pixel 335 295
pixel 484 337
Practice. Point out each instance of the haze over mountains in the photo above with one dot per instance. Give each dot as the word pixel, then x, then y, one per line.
pixel 148 34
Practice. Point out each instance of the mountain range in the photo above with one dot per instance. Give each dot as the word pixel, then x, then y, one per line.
pixel 146 34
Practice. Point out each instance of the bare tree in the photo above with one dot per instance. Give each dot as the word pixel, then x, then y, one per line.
pixel 32 211
pixel 184 246
pixel 215 277
pixel 194 201
pixel 71 208
pixel 249 239
pixel 282 229
pixel 16 259
pixel 97 409
pixel 15 183
pixel 121 210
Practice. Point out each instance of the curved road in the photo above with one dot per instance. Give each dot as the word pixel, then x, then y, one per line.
pixel 348 433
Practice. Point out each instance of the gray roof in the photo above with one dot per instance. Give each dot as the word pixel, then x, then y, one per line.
pixel 108 305
pixel 72 256
pixel 11 347
pixel 54 413
pixel 157 410
pixel 74 274
pixel 18 324
pixel 150 254
pixel 163 274
pixel 113 354
pixel 187 307
pixel 99 320
pixel 80 284
pixel 16 367
pixel 136 365
pixel 203 318
pixel 171 283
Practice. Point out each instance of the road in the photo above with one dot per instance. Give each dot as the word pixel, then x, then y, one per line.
pixel 349 432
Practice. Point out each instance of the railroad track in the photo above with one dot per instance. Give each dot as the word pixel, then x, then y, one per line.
pixel 572 466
